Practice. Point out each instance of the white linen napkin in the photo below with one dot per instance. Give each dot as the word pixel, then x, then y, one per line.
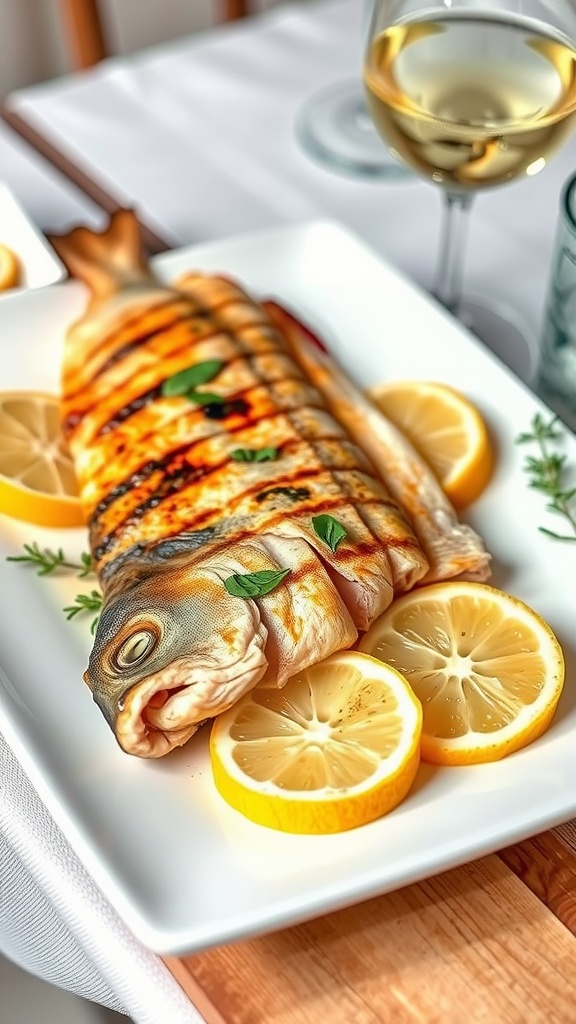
pixel 56 923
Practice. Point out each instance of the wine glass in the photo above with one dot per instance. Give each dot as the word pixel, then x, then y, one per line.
pixel 334 127
pixel 471 94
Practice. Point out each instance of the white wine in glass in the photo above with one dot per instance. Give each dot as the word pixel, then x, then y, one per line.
pixel 470 95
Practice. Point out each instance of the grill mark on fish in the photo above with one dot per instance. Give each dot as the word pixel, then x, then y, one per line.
pixel 121 415
pixel 272 346
pixel 73 418
pixel 187 344
pixel 133 481
pixel 128 346
pixel 199 310
pixel 238 404
pixel 292 493
pixel 189 320
pixel 142 472
pixel 178 473
pixel 122 445
pixel 284 489
pixel 214 411
pixel 177 484
pixel 121 334
pixel 140 551
pixel 182 456
pixel 229 407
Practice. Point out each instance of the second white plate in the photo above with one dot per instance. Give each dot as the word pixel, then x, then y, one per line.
pixel 39 263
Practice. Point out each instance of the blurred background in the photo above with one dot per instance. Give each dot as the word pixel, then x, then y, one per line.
pixel 32 47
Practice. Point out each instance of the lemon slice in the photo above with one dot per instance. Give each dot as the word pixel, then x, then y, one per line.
pixel 9 268
pixel 337 747
pixel 37 481
pixel 447 430
pixel 487 668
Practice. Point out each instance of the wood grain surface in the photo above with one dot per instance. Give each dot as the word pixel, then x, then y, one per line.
pixel 475 945
pixel 547 865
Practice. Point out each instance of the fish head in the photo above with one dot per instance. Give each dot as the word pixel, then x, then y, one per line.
pixel 172 649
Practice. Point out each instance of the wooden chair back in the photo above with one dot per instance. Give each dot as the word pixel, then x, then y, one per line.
pixel 85 36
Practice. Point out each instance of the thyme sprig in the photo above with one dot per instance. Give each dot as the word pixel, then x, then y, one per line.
pixel 48 560
pixel 546 473
pixel 84 603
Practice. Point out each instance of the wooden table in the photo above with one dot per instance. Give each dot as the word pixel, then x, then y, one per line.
pixel 492 942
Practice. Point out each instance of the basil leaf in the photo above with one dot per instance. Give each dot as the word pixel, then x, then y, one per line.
pixel 204 397
pixel 200 373
pixel 254 454
pixel 254 584
pixel 329 530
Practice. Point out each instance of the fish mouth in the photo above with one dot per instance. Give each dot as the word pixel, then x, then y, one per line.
pixel 164 710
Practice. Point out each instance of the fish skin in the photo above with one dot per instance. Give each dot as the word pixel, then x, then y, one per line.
pixel 453 549
pixel 209 645
pixel 173 647
pixel 167 603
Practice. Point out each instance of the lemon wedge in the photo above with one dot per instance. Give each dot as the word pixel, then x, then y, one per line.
pixel 37 481
pixel 446 429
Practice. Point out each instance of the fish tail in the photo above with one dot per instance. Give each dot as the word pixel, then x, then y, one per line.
pixel 106 261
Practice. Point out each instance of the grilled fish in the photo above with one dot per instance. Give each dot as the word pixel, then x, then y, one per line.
pixel 452 548
pixel 238 530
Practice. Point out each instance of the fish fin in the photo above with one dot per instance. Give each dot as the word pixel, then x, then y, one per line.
pixel 106 261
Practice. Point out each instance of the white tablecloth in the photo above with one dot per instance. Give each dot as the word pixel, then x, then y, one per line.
pixel 199 135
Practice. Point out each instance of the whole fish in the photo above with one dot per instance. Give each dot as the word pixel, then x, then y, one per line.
pixel 239 532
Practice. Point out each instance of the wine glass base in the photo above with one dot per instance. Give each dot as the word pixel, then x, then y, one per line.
pixel 505 332
pixel 335 129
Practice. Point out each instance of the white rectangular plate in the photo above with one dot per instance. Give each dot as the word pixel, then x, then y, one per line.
pixel 39 264
pixel 183 869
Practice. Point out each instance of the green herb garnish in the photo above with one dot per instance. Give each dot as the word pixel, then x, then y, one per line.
pixel 204 398
pixel 188 380
pixel 254 454
pixel 254 584
pixel 546 473
pixel 329 530
pixel 46 560
pixel 83 603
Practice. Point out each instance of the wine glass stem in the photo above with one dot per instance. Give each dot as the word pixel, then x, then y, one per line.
pixel 455 217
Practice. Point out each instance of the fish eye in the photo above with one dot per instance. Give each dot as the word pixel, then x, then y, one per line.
pixel 135 649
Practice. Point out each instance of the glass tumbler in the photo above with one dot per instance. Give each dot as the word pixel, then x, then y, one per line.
pixel 556 374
